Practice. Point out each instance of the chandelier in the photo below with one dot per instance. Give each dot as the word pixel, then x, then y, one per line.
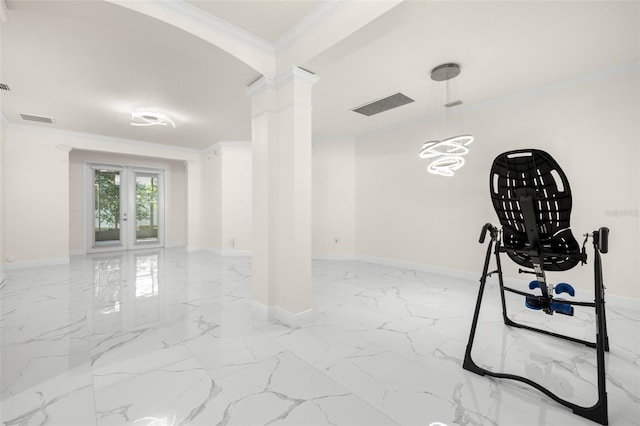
pixel 447 155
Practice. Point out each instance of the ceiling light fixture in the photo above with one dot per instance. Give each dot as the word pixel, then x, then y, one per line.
pixel 447 153
pixel 148 118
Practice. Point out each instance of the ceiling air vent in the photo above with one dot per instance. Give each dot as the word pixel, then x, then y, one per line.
pixel 4 87
pixel 453 104
pixel 37 118
pixel 382 105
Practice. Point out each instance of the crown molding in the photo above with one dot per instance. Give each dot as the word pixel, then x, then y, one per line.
pixel 292 74
pixel 523 94
pixel 263 83
pixel 254 51
pixel 296 74
pixel 313 18
pixel 102 138
pixel 4 13
pixel 187 10
pixel 223 144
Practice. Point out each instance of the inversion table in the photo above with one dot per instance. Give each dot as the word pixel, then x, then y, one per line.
pixel 532 197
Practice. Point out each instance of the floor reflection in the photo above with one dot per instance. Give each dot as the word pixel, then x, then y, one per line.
pixel 127 290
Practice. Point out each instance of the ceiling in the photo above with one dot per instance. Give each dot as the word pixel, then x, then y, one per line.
pixel 90 64
pixel 268 19
pixel 503 48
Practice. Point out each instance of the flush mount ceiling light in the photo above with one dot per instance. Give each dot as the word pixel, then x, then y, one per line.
pixel 447 153
pixel 148 118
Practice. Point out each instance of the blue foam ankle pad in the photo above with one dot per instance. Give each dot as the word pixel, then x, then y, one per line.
pixel 565 288
pixel 532 303
pixel 562 308
pixel 534 284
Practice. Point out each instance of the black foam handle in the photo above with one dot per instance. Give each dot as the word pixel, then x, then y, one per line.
pixel 603 240
pixel 483 233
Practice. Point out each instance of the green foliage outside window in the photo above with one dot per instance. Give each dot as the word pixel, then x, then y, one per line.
pixel 107 200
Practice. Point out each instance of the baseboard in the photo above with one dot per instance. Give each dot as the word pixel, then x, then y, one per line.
pixel 235 253
pixel 334 257
pixel 276 313
pixel 172 245
pixel 438 270
pixel 36 263
pixel 230 253
pixel 613 301
pixel 197 248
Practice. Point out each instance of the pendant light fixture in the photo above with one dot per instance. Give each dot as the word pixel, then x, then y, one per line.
pixel 447 154
pixel 149 118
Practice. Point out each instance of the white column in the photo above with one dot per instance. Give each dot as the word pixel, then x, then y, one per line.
pixel 281 149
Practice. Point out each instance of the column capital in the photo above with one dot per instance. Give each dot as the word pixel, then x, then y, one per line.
pixel 65 148
pixel 295 74
pixel 260 85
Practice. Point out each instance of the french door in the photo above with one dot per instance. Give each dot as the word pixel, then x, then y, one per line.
pixel 125 207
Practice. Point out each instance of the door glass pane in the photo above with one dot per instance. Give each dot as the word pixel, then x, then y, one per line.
pixel 147 276
pixel 146 207
pixel 107 205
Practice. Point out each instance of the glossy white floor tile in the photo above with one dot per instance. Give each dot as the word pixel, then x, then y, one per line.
pixel 167 337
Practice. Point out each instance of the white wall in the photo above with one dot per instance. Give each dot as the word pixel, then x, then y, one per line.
pixel 212 198
pixel 236 198
pixel 333 202
pixel 228 186
pixel 3 121
pixel 36 194
pixel 590 126
pixel 175 193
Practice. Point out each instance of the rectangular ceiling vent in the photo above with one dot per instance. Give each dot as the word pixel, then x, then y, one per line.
pixel 384 104
pixel 453 104
pixel 37 118
pixel 5 87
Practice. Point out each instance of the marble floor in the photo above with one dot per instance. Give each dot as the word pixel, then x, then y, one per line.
pixel 168 337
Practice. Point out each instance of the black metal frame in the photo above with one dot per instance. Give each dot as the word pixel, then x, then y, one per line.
pixel 598 412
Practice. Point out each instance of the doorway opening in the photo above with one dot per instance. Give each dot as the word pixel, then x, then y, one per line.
pixel 125 207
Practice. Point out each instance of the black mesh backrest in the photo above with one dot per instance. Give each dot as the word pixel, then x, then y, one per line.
pixel 531 168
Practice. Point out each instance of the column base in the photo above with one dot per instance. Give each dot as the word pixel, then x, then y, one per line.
pixel 281 315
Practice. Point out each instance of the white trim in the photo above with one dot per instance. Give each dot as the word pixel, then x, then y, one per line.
pixel 313 18
pixel 128 239
pixel 36 263
pixel 4 13
pixel 333 138
pixel 213 22
pixel 175 244
pixel 277 313
pixel 263 83
pixel 455 273
pixel 506 99
pixel 295 74
pixel 197 248
pixel 235 253
pixel 334 257
pixel 76 252
pixel 613 301
pixel 224 144
pixel 103 138
pixel 225 253
pixel 3 118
